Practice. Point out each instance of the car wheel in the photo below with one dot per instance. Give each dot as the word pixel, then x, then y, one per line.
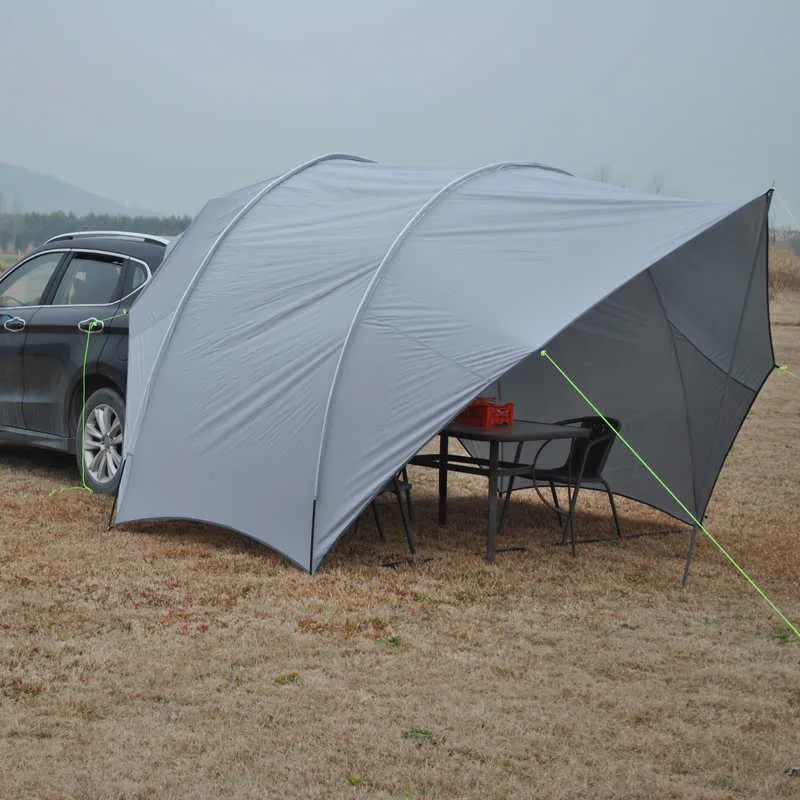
pixel 99 448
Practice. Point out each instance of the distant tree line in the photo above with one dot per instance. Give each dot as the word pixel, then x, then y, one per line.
pixel 23 231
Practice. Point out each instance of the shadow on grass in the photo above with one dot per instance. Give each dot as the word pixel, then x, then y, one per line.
pixel 39 463
pixel 529 526
pixel 203 538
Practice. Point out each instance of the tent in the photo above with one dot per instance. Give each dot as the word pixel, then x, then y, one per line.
pixel 307 335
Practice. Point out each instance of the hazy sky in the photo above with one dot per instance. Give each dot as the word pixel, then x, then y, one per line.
pixel 163 104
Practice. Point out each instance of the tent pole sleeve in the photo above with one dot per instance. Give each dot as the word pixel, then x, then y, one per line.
pixel 385 261
pixel 252 203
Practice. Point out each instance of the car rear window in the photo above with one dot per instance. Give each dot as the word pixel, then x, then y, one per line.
pixel 138 276
pixel 91 279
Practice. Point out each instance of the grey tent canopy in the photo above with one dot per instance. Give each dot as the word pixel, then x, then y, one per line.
pixel 307 335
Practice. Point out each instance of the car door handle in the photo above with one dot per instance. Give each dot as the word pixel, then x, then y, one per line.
pixel 15 324
pixel 91 325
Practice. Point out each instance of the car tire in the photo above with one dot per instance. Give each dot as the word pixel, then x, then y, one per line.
pixel 99 453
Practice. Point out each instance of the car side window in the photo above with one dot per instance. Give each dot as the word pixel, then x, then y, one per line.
pixel 27 283
pixel 91 279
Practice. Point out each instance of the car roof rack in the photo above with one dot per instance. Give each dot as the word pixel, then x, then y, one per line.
pixel 143 237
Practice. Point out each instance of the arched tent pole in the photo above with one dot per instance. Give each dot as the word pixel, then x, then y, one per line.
pixel 215 246
pixel 369 291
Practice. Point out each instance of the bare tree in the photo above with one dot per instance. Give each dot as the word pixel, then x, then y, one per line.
pixel 14 223
pixel 604 174
pixel 657 183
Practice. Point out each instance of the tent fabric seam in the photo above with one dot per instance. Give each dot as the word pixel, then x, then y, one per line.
pixel 764 236
pixel 670 332
pixel 736 344
pixel 677 327
pixel 706 358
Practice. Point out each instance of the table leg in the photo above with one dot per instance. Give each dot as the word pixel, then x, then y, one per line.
pixel 494 457
pixel 443 442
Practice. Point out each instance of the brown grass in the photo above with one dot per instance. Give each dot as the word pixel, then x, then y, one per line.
pixel 181 661
pixel 784 272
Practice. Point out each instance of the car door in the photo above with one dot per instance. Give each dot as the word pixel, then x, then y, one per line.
pixel 67 335
pixel 21 292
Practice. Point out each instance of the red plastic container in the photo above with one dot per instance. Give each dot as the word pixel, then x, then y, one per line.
pixel 484 412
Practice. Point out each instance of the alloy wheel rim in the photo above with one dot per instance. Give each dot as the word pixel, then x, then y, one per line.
pixel 102 443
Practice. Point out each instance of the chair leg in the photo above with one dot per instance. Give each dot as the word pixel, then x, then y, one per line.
pixel 571 519
pixel 563 516
pixel 378 521
pixel 555 501
pixel 405 517
pixel 404 474
pixel 613 507
pixel 407 525
pixel 504 510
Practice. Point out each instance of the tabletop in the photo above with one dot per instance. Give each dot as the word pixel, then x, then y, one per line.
pixel 520 431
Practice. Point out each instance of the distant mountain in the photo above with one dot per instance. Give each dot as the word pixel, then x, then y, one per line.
pixel 23 190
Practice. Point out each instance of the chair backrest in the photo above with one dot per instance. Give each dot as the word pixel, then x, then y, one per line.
pixel 595 449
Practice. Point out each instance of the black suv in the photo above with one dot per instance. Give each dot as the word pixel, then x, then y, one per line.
pixel 64 337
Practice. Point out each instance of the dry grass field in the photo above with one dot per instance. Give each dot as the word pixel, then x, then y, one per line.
pixel 181 661
pixel 784 270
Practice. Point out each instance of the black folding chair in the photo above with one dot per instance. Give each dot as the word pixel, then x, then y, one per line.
pixel 400 486
pixel 583 467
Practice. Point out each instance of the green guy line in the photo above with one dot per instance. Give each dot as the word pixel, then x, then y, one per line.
pixel 783 203
pixel 83 485
pixel 83 437
pixel 545 354
pixel 784 368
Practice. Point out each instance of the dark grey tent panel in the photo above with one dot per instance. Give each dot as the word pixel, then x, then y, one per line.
pixel 307 335
pixel 678 354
